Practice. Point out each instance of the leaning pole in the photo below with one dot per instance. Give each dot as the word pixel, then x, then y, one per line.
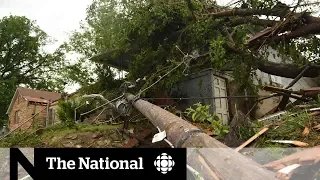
pixel 211 158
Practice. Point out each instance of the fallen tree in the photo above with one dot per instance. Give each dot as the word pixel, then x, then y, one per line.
pixel 148 33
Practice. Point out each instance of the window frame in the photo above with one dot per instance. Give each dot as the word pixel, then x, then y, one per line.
pixel 17 117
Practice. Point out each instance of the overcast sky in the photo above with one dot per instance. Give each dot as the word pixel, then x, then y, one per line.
pixel 56 17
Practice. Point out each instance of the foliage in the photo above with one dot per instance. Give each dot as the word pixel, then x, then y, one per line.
pixel 250 129
pixel 23 60
pixel 22 139
pixel 201 114
pixel 291 127
pixel 66 109
pixel 41 138
pixel 149 32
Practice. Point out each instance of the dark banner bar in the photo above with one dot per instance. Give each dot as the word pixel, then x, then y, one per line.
pixel 110 163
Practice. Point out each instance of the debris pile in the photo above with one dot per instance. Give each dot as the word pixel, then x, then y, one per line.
pixel 291 124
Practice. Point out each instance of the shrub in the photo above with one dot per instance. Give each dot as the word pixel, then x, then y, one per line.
pixel 201 114
pixel 66 109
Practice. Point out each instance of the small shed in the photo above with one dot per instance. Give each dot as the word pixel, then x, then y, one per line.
pixel 207 87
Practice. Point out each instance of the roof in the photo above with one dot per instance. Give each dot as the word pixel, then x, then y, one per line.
pixel 32 95
pixel 37 95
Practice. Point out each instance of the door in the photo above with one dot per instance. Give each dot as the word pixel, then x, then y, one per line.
pixel 221 104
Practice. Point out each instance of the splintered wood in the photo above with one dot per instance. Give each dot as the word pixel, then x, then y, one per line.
pixel 285 173
pixel 251 139
pixel 297 143
pixel 309 156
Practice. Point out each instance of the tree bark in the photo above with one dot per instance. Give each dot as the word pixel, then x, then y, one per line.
pixel 288 70
pixel 254 21
pixel 302 31
pixel 249 12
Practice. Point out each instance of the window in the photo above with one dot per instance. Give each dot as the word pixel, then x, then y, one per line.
pixel 17 117
pixel 53 115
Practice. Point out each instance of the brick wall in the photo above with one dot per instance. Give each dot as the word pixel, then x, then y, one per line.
pixel 26 111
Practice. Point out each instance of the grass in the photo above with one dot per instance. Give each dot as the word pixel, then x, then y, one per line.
pixel 61 130
pixel 36 138
pixel 22 139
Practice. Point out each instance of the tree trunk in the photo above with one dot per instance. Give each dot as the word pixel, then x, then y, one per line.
pixel 287 70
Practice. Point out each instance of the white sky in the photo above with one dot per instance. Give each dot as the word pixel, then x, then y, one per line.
pixel 56 17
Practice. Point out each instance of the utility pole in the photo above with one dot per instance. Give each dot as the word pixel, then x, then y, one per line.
pixel 205 154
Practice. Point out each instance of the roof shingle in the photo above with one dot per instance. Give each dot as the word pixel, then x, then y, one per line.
pixel 38 96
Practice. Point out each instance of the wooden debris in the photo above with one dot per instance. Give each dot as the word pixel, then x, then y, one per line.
pixel 134 141
pixel 303 106
pixel 315 109
pixel 286 92
pixel 277 89
pixel 266 32
pixel 297 143
pixel 315 113
pixel 303 92
pixel 286 172
pixel 310 91
pixel 306 131
pixel 252 139
pixel 308 156
pixel 317 127
pixel 209 132
pixel 272 118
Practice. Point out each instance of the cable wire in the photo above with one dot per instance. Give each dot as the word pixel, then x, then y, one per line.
pixel 185 58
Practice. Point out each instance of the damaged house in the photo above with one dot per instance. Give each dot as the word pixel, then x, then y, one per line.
pixel 35 104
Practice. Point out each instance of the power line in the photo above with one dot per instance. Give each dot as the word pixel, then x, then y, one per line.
pixel 221 97
pixel 184 60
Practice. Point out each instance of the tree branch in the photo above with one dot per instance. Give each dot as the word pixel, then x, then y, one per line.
pixel 302 31
pixel 266 12
pixel 287 70
pixel 249 12
pixel 254 21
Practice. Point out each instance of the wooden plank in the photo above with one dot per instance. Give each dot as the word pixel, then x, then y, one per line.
pixel 251 139
pixel 306 157
pixel 315 113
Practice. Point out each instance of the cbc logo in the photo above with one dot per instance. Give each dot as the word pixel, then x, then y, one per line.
pixel 164 163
